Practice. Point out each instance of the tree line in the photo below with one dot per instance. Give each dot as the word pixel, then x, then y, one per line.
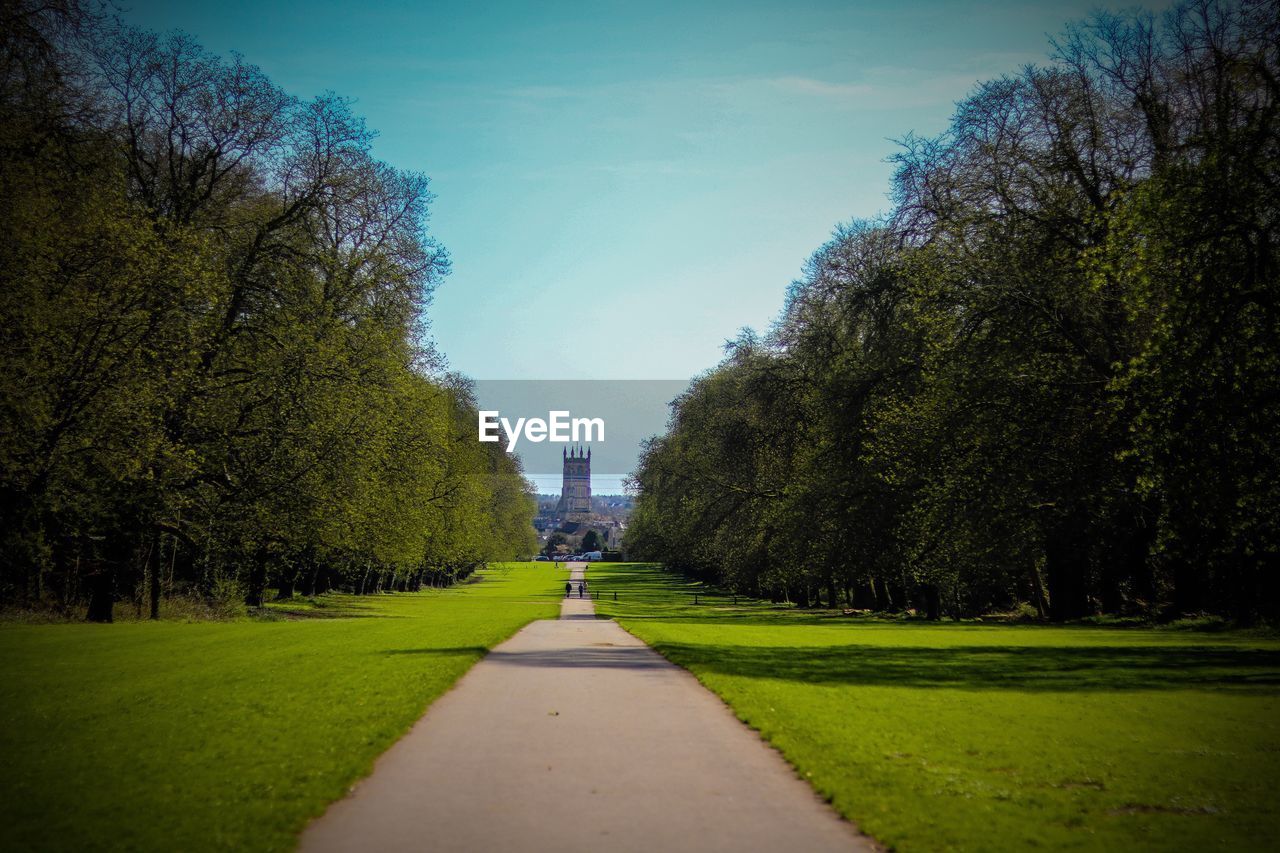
pixel 1049 378
pixel 213 376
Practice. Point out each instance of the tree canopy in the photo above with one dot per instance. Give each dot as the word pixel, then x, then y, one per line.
pixel 215 375
pixel 1049 377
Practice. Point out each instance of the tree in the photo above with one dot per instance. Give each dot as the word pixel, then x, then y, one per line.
pixel 555 542
pixel 1049 376
pixel 213 304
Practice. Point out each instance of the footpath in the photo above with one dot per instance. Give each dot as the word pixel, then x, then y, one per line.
pixel 575 736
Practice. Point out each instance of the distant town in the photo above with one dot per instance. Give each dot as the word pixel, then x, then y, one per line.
pixel 600 529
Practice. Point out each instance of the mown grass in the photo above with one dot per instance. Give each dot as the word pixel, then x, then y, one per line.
pixel 170 736
pixel 990 737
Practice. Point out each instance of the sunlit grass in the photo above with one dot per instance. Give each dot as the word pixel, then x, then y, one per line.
pixel 981 737
pixel 171 736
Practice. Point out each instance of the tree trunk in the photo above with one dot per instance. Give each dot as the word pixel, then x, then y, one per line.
pixel 932 601
pixel 863 596
pixel 287 582
pixel 1144 591
pixel 1066 559
pixel 886 597
pixel 62 567
pixel 1037 590
pixel 154 560
pixel 307 580
pixel 257 581
pixel 101 584
pixel 1268 579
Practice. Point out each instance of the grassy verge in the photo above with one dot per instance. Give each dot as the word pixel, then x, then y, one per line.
pixel 990 737
pixel 170 736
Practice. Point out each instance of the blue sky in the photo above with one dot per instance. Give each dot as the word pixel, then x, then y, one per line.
pixel 622 186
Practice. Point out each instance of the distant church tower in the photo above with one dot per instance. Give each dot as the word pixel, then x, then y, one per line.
pixel 575 493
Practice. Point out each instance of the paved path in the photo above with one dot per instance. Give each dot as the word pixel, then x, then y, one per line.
pixel 575 736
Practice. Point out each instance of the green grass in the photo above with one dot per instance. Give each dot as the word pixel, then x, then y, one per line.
pixel 991 737
pixel 170 736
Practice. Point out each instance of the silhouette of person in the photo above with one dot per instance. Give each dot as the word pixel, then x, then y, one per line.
pixel 579 590
pixel 568 589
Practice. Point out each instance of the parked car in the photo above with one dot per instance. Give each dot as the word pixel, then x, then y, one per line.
pixel 541 558
pixel 592 555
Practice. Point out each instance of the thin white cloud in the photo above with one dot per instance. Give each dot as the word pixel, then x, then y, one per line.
pixel 646 168
pixel 880 88
pixel 821 88
pixel 541 93
pixel 1002 62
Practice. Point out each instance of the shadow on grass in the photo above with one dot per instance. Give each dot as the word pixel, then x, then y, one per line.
pixel 341 606
pixel 718 612
pixel 448 650
pixel 295 614
pixel 1056 668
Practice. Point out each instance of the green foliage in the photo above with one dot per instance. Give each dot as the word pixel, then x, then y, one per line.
pixel 1050 376
pixel 169 736
pixel 554 541
pixel 213 305
pixel 990 737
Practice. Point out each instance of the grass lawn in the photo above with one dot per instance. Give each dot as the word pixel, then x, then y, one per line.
pixel 985 736
pixel 171 736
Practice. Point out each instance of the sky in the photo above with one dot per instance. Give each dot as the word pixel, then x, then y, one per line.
pixel 622 186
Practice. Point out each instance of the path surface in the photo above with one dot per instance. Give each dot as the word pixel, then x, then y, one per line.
pixel 575 736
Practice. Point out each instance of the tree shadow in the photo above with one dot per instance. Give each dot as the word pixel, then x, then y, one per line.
pixel 321 608
pixel 600 656
pixel 569 617
pixel 446 650
pixel 1048 668
pixel 300 615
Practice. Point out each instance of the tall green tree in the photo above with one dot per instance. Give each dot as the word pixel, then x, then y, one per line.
pixel 213 305
pixel 1048 377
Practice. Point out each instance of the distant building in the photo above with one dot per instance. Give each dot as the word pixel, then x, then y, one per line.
pixel 575 493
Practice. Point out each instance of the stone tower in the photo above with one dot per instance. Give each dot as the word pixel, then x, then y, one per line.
pixel 575 493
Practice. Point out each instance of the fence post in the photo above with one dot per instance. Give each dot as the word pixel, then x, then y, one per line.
pixel 615 596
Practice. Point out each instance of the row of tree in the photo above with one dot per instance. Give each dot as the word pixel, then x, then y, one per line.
pixel 1050 378
pixel 211 303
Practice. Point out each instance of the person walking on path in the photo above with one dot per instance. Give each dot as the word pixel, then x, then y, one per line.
pixel 568 589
